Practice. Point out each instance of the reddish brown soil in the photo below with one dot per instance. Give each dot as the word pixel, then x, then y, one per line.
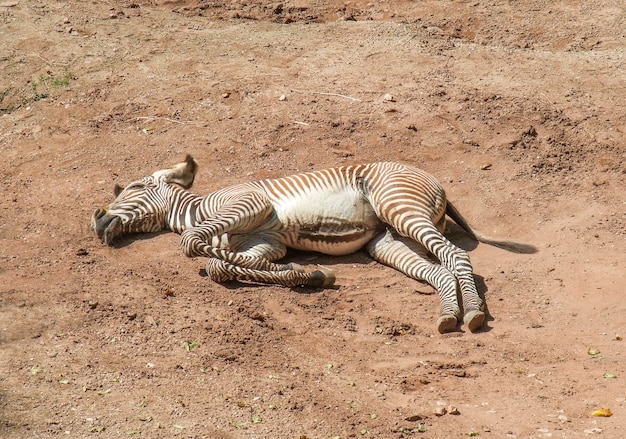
pixel 519 108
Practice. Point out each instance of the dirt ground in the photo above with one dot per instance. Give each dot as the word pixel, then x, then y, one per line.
pixel 519 108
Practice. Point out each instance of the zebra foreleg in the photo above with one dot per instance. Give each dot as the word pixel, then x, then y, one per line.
pixel 267 246
pixel 243 217
pixel 221 271
pixel 195 244
pixel 410 258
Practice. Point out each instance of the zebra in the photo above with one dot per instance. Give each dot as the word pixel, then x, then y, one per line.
pixel 396 212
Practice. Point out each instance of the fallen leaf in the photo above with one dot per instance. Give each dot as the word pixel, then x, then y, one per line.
pixel 602 412
pixel 189 345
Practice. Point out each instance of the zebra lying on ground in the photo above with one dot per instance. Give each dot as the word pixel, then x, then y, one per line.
pixel 396 212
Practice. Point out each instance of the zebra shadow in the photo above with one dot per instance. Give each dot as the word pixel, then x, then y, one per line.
pixel 126 240
pixel 454 233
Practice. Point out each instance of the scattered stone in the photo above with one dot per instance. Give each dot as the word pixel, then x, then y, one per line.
pixel 388 98
pixel 440 411
pixel 282 98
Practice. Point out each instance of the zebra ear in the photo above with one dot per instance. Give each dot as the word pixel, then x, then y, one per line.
pixel 182 173
pixel 117 189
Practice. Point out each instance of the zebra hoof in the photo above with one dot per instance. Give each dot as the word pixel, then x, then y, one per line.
pixel 474 319
pixel 446 324
pixel 323 278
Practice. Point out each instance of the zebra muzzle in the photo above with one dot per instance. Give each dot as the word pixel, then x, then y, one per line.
pixel 107 227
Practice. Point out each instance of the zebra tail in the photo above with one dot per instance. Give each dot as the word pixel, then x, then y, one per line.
pixel 514 247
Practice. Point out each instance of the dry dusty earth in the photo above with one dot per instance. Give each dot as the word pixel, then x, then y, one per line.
pixel 518 107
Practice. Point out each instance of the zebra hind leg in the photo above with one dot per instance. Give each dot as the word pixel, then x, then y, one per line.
pixel 222 271
pixel 456 261
pixel 410 258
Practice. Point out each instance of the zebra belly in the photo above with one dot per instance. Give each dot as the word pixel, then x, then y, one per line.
pixel 335 222
pixel 331 239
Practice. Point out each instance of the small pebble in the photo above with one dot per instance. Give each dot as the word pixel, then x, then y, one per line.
pixel 440 411
pixel 388 98
pixel 282 98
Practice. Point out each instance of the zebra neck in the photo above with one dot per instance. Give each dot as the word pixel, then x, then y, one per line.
pixel 185 210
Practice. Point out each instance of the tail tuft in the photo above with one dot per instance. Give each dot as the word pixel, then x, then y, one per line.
pixel 514 247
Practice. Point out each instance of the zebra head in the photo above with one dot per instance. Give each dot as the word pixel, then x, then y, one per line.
pixel 144 204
